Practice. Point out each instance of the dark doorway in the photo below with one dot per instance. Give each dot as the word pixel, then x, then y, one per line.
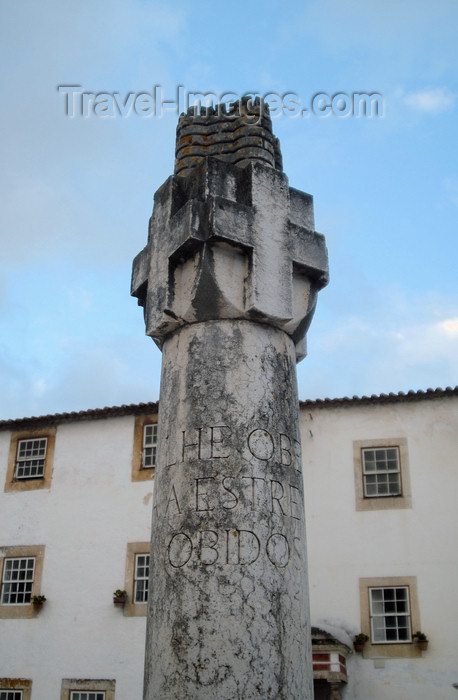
pixel 321 689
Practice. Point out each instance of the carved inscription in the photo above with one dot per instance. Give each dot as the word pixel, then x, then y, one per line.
pixel 277 494
pixel 264 447
pixel 247 493
pixel 215 442
pixel 239 547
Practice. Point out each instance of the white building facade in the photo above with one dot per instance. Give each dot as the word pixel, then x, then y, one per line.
pixel 379 483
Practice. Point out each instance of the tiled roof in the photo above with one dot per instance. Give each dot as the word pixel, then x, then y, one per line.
pixel 381 398
pixel 136 409
pixel 133 409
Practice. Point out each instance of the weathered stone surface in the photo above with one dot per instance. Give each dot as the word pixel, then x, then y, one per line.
pixel 228 601
pixel 240 135
pixel 230 242
pixel 228 282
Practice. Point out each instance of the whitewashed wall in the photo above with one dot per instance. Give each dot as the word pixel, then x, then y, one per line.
pixel 345 545
pixel 94 509
pixel 85 520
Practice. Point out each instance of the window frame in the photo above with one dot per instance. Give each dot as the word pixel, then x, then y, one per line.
pixel 149 445
pixel 79 685
pixel 132 608
pixel 389 649
pixel 138 578
pixel 14 579
pixel 24 685
pixel 139 472
pixel 386 471
pixel 23 461
pixel 22 610
pixel 382 501
pixel 386 614
pixel 13 483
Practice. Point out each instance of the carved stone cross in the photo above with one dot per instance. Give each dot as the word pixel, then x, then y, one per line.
pixel 227 242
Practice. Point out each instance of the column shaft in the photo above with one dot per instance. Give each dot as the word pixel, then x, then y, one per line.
pixel 228 607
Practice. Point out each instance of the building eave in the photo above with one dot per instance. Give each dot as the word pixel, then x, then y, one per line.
pixel 75 416
pixel 400 397
pixel 152 407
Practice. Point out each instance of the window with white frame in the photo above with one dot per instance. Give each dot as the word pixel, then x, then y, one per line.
pixel 15 689
pixel 136 579
pixel 390 615
pixel 87 695
pixel 149 446
pixel 31 458
pixel 141 578
pixel 381 472
pixel 144 454
pixel 17 580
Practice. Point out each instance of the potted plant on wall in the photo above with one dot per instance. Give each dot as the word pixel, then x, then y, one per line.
pixel 119 598
pixel 359 641
pixel 38 601
pixel 422 640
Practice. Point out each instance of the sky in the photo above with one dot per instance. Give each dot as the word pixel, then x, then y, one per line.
pixel 77 192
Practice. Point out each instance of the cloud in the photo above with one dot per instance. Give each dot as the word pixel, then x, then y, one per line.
pixel 89 376
pixel 450 327
pixel 411 344
pixel 77 193
pixel 429 343
pixel 62 179
pixel 72 338
pixel 392 37
pixel 430 100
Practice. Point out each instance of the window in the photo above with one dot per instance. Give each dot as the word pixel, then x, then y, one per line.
pixel 144 457
pixel 149 446
pixel 17 580
pixel 20 577
pixel 382 478
pixel 30 459
pixel 87 689
pixel 15 689
pixel 136 580
pixel 381 472
pixel 389 613
pixel 141 578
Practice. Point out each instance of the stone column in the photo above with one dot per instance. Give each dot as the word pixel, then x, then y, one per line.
pixel 228 282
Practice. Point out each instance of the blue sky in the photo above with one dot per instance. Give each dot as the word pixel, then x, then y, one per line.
pixel 77 193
